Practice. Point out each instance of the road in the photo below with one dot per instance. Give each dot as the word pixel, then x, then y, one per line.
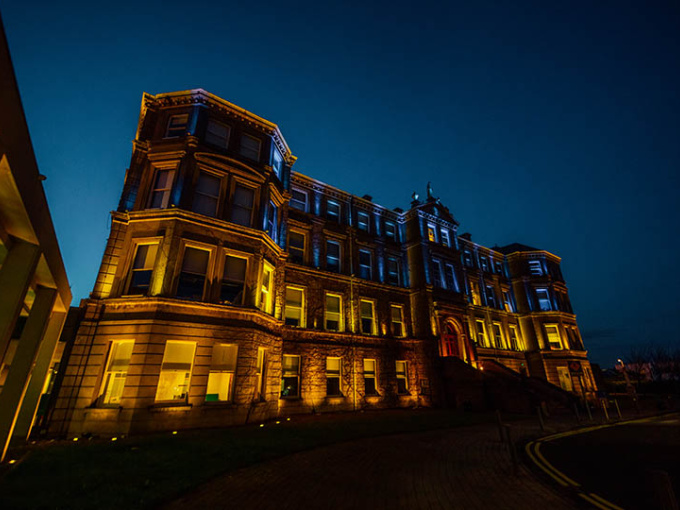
pixel 621 463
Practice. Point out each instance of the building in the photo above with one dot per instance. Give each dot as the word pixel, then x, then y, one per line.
pixel 34 290
pixel 233 289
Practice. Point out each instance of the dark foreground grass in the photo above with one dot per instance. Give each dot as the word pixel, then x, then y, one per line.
pixel 145 471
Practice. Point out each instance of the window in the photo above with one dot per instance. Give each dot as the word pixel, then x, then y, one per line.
pixel 499 268
pixel 543 300
pixel 116 371
pixel 445 237
pixel 272 221
pixel 277 162
pixel 242 205
pixel 370 377
pixel 490 297
pixel 507 302
pixel 333 313
pixel 390 230
pixel 295 300
pixel 217 134
pixel 260 373
pixel 431 233
pixel 450 277
pixel 362 221
pixel 162 187
pixel 266 293
pixel 498 336
pixel 298 200
pixel 222 371
pixel 467 258
pixel 177 125
pixel 402 377
pixel 397 317
pixel 535 268
pixel 250 147
pixel 476 296
pixel 437 274
pixel 290 382
pixel 367 317
pixel 233 280
pixel 365 264
pixel 192 276
pixel 554 338
pixel 484 263
pixel 142 267
pixel 333 256
pixel 207 194
pixel 333 377
pixel 178 359
pixel 333 211
pixel 565 378
pixel 296 247
pixel 481 334
pixel 393 272
pixel 514 338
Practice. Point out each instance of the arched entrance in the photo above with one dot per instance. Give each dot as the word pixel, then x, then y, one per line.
pixel 454 343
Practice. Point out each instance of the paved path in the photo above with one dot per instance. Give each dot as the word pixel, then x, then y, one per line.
pixel 461 468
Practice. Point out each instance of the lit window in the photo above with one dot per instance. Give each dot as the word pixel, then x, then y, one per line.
pixel 116 371
pixel 290 382
pixel 217 134
pixel 142 267
pixel 365 264
pixel 484 263
pixel 296 247
pixel 543 300
pixel 242 206
pixel 367 317
pixel 250 147
pixel 565 378
pixel 437 274
pixel 397 316
pixel 431 233
pixel 260 373
pixel 467 258
pixel 221 376
pixel 535 268
pixel 450 277
pixel 192 276
pixel 277 162
pixel 233 280
pixel 333 256
pixel 178 359
pixel 333 313
pixel 362 221
pixel 333 211
pixel 333 377
pixel 266 292
pixel 298 200
pixel 370 377
pixel 390 230
pixel 449 341
pixel 272 221
pixel 498 336
pixel 295 300
pixel 514 338
pixel 490 297
pixel 402 377
pixel 177 125
pixel 476 296
pixel 445 237
pixel 481 334
pixel 507 302
pixel 393 272
pixel 554 338
pixel 207 194
pixel 160 194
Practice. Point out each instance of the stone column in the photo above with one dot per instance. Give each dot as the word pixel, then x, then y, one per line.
pixel 14 390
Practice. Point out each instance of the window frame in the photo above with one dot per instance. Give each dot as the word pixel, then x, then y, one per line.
pixel 183 398
pixel 360 215
pixel 339 245
pixel 291 257
pixel 232 374
pixel 548 342
pixel 208 270
pixel 166 191
pixel 401 322
pixel 217 198
pixel 341 325
pixel 402 375
pixel 444 236
pixel 302 308
pixel 547 301
pixel 432 232
pixel 334 377
pixel 535 267
pixel 390 279
pixel 498 337
pixel 267 294
pixel 393 225
pixel 217 140
pixel 333 216
pixel 362 267
pixel 305 204
pixel 481 335
pixel 109 380
pixel 131 270
pixel 514 332
pixel 170 128
pixel 374 326
pixel 371 375
pixel 233 206
pixel 291 375
pixel 237 255
pixel 261 375
pixel 243 151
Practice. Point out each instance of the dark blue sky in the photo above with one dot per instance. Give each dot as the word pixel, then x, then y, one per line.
pixel 554 124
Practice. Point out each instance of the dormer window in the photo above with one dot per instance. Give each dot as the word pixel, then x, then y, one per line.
pixel 535 268
pixel 217 134
pixel 177 125
pixel 362 221
pixel 250 147
pixel 277 162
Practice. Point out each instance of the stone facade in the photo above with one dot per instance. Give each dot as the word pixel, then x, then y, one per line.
pixel 233 289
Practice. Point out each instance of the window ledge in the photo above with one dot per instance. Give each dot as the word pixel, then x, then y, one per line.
pixel 219 404
pixel 170 406
pixel 335 397
pixel 290 398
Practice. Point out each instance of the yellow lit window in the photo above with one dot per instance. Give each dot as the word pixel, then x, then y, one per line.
pixel 290 382
pixel 295 301
pixel 116 371
pixel 367 317
pixel 178 359
pixel 402 377
pixel 481 334
pixel 554 338
pixel 260 372
pixel 370 377
pixel 142 267
pixel 333 313
pixel 266 288
pixel 222 370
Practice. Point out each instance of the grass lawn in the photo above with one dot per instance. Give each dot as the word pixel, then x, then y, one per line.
pixel 144 471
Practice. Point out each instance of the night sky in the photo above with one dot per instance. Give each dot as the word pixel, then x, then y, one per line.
pixel 553 124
